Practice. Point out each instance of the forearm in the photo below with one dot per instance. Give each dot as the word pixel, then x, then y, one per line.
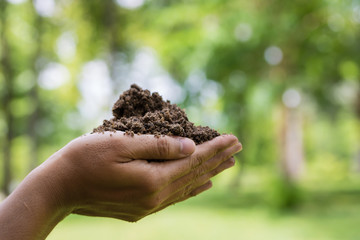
pixel 34 208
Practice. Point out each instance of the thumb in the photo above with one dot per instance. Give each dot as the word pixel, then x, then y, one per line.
pixel 148 147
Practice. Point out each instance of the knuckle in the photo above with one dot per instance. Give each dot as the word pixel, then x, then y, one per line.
pixel 188 190
pixel 195 162
pixel 193 193
pixel 163 146
pixel 216 171
pixel 199 167
pixel 197 173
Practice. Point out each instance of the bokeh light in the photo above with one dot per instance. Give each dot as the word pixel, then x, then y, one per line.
pixel 45 8
pixel 291 98
pixel 53 76
pixel 130 4
pixel 273 55
pixel 243 32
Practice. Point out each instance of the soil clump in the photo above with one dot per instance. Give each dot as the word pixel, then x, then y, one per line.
pixel 139 112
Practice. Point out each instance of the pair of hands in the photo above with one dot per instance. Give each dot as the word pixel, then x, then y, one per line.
pixel 114 175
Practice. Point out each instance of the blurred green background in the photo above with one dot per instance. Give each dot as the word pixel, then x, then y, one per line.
pixel 281 75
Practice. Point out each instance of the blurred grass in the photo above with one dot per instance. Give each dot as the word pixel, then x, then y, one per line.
pixel 225 214
pixel 194 222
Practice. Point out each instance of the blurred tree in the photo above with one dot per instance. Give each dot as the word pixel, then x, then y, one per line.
pixel 245 45
pixel 7 75
pixel 246 54
pixel 34 118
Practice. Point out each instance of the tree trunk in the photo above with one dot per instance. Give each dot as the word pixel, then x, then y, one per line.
pixel 292 144
pixel 357 110
pixel 34 94
pixel 292 158
pixel 111 25
pixel 8 95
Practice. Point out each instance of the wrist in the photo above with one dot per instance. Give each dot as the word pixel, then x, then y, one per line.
pixel 57 178
pixel 36 205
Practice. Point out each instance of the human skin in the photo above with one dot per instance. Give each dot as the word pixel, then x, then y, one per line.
pixel 113 175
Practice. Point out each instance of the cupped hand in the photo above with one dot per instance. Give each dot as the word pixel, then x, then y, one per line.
pixel 129 177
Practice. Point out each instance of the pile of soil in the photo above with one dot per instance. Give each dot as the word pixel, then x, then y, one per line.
pixel 139 112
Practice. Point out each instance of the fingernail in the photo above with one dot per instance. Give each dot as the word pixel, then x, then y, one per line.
pixel 187 146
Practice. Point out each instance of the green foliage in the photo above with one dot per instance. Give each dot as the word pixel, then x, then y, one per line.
pixel 243 54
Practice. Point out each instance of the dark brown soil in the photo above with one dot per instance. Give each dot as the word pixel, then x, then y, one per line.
pixel 139 112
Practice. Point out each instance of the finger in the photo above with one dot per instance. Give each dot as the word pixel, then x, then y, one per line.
pixel 188 183
pixel 207 176
pixel 215 161
pixel 198 190
pixel 194 193
pixel 193 179
pixel 220 150
pixel 209 149
pixel 157 176
pixel 179 197
pixel 149 147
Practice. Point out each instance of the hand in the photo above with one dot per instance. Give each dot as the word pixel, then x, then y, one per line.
pixel 121 176
pixel 112 175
